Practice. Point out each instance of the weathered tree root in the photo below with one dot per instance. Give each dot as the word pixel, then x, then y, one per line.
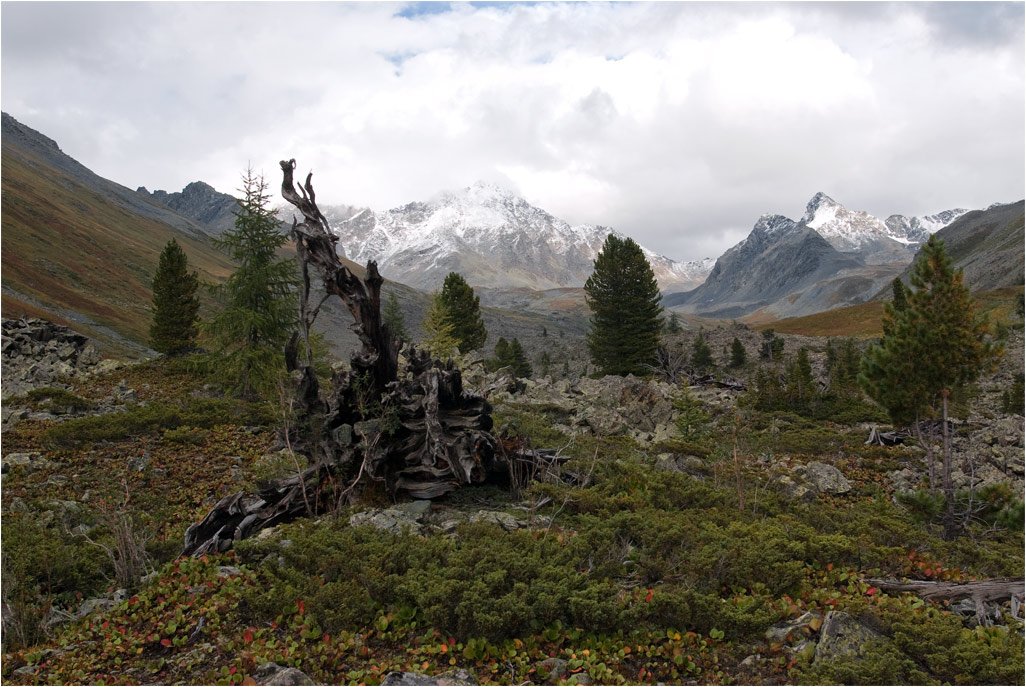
pixel 422 435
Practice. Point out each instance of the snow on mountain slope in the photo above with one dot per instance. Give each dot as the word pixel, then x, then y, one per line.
pixel 879 241
pixel 491 236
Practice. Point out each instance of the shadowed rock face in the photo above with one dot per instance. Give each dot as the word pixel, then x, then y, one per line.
pixel 830 258
pixel 200 202
pixel 988 245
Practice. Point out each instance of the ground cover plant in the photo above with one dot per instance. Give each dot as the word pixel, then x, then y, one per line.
pixel 620 570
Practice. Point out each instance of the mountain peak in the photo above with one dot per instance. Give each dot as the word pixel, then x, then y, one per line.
pixel 820 210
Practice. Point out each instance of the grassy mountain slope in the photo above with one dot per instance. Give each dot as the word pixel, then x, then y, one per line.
pixel 72 252
pixel 863 320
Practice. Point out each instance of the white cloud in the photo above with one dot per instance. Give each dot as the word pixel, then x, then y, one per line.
pixel 678 124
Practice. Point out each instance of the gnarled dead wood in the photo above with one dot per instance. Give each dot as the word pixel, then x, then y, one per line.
pixel 421 434
pixel 980 592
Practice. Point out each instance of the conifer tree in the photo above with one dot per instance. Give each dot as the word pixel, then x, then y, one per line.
pixel 545 361
pixel 502 356
pixel 259 303
pixel 463 311
pixel 931 348
pixel 626 316
pixel 393 316
pixel 673 324
pixel 441 339
pixel 701 354
pixel 801 389
pixel 175 305
pixel 518 359
pixel 738 355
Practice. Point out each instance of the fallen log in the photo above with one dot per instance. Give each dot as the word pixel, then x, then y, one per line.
pixel 980 592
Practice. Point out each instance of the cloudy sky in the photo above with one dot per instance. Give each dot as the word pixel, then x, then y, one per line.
pixel 677 124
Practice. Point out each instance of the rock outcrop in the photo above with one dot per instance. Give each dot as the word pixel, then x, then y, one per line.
pixel 37 353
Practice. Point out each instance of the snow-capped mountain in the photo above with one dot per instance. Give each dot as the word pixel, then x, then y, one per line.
pixel 492 237
pixel 879 241
pixel 831 257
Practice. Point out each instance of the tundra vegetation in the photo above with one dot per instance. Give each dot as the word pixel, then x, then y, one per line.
pixel 709 551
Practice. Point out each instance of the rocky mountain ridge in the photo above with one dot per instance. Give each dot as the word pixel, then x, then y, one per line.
pixel 829 258
pixel 493 237
pixel 200 202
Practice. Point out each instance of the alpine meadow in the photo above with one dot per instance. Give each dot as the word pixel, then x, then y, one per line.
pixel 513 343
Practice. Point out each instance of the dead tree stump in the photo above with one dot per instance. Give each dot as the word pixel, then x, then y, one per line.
pixel 422 434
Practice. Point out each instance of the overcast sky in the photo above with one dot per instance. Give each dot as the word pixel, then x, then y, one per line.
pixel 677 124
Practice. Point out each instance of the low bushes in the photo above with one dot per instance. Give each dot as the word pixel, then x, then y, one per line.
pixel 141 419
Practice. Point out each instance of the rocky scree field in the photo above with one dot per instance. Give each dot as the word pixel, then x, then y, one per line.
pixel 689 539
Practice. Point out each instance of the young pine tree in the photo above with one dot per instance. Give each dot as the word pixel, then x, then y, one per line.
pixel 701 354
pixel 259 309
pixel 518 359
pixel 801 387
pixel 441 339
pixel 175 305
pixel 673 324
pixel 463 311
pixel 931 348
pixel 502 355
pixel 626 316
pixel 392 315
pixel 738 355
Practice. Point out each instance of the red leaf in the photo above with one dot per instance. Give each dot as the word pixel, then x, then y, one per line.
pixel 232 670
pixel 648 597
pixel 871 591
pixel 300 606
pixel 326 638
pixel 165 642
pixel 247 636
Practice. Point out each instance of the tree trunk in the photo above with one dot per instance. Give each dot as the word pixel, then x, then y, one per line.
pixel 950 523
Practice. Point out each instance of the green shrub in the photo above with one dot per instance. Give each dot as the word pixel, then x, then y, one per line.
pixel 55 400
pixel 186 435
pixel 43 567
pixel 143 419
pixel 879 663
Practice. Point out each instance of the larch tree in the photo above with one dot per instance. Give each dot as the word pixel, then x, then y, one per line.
pixel 259 306
pixel 934 346
pixel 738 355
pixel 626 317
pixel 463 311
pixel 175 305
pixel 440 338
pixel 392 315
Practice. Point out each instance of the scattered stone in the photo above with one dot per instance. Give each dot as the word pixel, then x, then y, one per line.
pixel 805 482
pixel 96 603
pixel 503 520
pixel 139 463
pixel 825 479
pixel 391 520
pixel 29 461
pixel 274 674
pixel 228 571
pixel 416 508
pixel 554 669
pixel 455 677
pixel 37 353
pixel 786 630
pixel 843 635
